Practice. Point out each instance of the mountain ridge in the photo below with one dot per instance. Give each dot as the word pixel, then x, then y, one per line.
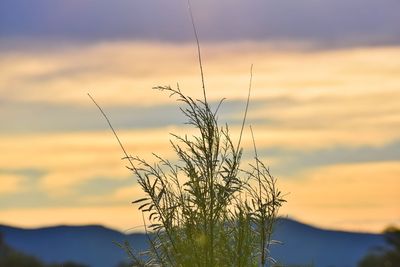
pixel 93 244
pixel 128 232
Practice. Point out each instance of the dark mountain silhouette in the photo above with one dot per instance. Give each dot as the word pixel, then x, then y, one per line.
pixel 311 246
pixel 10 257
pixel 93 245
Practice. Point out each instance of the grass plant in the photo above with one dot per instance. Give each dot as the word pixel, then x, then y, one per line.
pixel 203 209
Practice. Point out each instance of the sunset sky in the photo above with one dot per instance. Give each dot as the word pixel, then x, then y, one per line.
pixel 325 104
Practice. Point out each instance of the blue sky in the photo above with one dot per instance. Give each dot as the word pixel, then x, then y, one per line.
pixel 324 102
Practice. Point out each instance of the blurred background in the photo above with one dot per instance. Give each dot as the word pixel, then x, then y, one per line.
pixel 324 106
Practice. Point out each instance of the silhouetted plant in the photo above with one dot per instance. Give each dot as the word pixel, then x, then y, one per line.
pixel 204 210
pixel 386 256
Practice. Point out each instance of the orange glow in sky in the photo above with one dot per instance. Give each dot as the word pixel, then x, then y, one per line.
pixel 327 122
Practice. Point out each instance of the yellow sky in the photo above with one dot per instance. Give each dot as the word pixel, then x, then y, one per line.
pixel 124 72
pixel 327 122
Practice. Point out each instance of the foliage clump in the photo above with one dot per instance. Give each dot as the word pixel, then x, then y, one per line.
pixel 386 256
pixel 203 209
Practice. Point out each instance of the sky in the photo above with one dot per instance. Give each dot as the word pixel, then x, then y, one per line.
pixel 324 105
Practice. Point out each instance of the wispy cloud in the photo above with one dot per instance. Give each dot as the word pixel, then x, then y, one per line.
pixel 124 73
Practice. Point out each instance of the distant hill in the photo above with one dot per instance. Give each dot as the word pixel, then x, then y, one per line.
pixel 307 245
pixel 93 245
